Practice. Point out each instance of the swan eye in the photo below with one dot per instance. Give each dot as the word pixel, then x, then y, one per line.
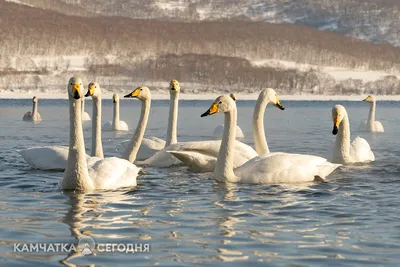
pixel 71 83
pixel 220 102
pixel 141 89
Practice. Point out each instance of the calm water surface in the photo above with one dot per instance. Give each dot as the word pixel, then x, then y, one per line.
pixel 189 219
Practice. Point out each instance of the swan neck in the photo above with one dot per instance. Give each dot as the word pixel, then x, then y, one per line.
pixel 342 146
pixel 224 167
pixel 371 116
pixel 97 147
pixel 76 174
pixel 260 140
pixel 172 119
pixel 35 110
pixel 134 145
pixel 115 122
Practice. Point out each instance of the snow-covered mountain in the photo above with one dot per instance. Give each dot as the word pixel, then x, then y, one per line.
pixel 373 20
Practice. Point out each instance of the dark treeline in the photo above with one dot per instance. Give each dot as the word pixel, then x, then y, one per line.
pixel 33 31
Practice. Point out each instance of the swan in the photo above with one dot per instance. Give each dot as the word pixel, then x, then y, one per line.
pixel 95 173
pixel 152 145
pixel 371 125
pixel 219 130
pixel 270 168
pixel 205 162
pixel 34 114
pixel 345 152
pixel 94 91
pixel 85 115
pixel 116 124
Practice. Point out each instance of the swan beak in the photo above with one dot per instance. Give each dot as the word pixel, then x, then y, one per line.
pixel 90 91
pixel 76 91
pixel 278 104
pixel 114 100
pixel 135 93
pixel 336 122
pixel 367 99
pixel 213 109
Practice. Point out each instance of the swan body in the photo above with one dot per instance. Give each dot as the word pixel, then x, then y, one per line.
pixel 116 124
pixel 95 173
pixel 269 168
pixel 371 125
pixel 46 157
pixel 85 115
pixel 345 152
pixel 151 145
pixel 34 114
pixel 203 158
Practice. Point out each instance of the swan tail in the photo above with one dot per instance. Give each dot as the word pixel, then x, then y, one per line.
pixel 325 169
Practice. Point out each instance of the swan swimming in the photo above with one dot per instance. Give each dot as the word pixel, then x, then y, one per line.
pixel 96 173
pixel 205 162
pixel 271 168
pixel 371 125
pixel 345 152
pixel 152 145
pixel 116 124
pixel 85 115
pixel 219 130
pixel 34 114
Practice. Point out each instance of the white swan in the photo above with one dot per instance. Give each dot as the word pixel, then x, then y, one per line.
pixel 219 130
pixel 358 151
pixel 205 161
pixel 371 125
pixel 152 145
pixel 271 168
pixel 85 115
pixel 34 114
pixel 116 124
pixel 97 173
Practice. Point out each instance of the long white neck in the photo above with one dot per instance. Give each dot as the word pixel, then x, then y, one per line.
pixel 172 119
pixel 76 174
pixel 136 141
pixel 35 111
pixel 371 116
pixel 224 167
pixel 97 147
pixel 115 122
pixel 260 141
pixel 342 145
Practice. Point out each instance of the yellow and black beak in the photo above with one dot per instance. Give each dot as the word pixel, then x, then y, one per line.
pixel 278 104
pixel 135 93
pixel 114 99
pixel 367 99
pixel 76 91
pixel 212 110
pixel 336 122
pixel 90 91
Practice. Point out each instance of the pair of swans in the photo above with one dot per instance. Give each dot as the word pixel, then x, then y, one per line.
pixel 34 114
pixel 84 174
pixel 268 168
pixel 371 125
pixel 116 124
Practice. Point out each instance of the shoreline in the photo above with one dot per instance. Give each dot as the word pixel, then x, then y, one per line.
pixel 209 96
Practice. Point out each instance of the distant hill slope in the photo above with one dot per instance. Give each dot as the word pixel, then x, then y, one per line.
pixel 374 20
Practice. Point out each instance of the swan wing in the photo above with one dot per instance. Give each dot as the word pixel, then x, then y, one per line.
pixel 219 130
pixel 148 148
pixel 107 126
pixel 360 151
pixel 275 168
pixel 47 157
pixel 379 127
pixel 85 116
pixel 27 116
pixel 112 173
pixel 123 126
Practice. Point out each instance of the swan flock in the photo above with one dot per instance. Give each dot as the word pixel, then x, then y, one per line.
pixel 229 159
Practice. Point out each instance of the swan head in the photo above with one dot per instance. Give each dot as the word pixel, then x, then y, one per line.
pixel 174 87
pixel 271 97
pixel 338 114
pixel 369 98
pixel 223 103
pixel 75 88
pixel 115 98
pixel 233 96
pixel 94 90
pixel 141 93
pixel 34 99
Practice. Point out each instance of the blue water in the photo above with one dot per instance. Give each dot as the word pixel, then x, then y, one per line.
pixel 188 219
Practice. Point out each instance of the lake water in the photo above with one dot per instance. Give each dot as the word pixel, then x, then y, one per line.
pixel 188 219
